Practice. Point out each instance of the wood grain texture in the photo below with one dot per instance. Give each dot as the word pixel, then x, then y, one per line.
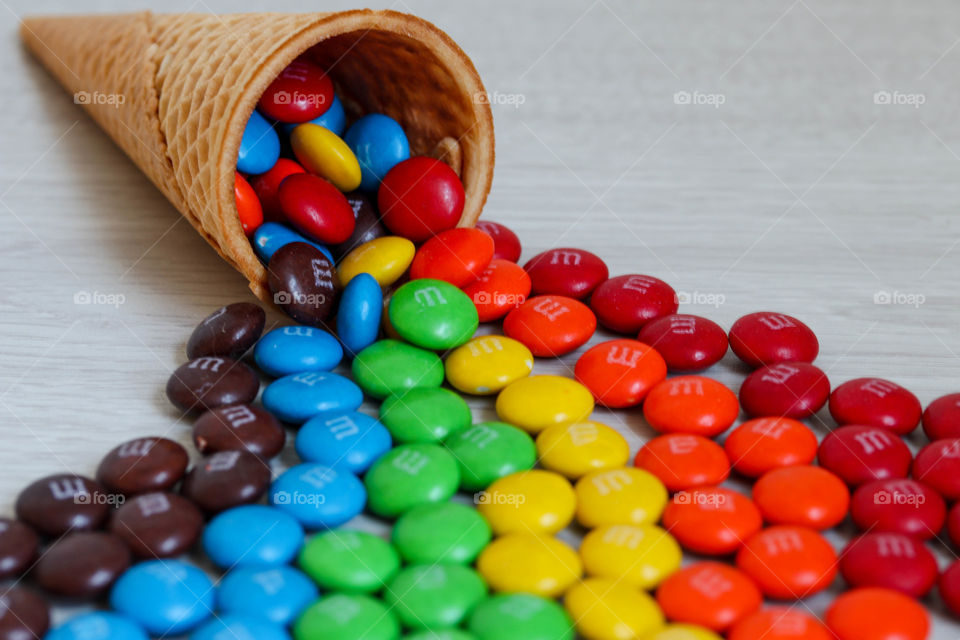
pixel 799 193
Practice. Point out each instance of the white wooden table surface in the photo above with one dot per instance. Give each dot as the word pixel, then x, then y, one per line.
pixel 786 182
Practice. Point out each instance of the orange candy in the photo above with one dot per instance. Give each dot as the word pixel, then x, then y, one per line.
pixel 711 520
pixel 873 613
pixel 248 204
pixel 802 495
pixel 457 256
pixel 684 461
pixel 710 594
pixel 779 623
pixel 691 404
pixel 502 286
pixel 788 562
pixel 551 325
pixel 620 373
pixel 762 444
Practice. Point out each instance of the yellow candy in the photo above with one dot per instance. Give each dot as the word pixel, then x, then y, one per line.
pixel 579 448
pixel 640 555
pixel 324 153
pixel 386 259
pixel 528 563
pixel 683 632
pixel 487 364
pixel 538 402
pixel 619 496
pixel 528 501
pixel 605 609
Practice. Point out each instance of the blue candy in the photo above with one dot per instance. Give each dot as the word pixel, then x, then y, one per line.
pixel 252 535
pixel 166 597
pixel 277 594
pixel 270 236
pixel 240 627
pixel 297 398
pixel 297 349
pixel 358 317
pixel 334 119
pixel 318 496
pixel 98 625
pixel 351 441
pixel 260 146
pixel 379 143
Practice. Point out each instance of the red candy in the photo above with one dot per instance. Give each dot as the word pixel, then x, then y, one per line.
pixel 873 613
pixel 502 286
pixel 300 93
pixel 802 495
pixel 938 466
pixel 686 342
pixel 953 524
pixel 620 373
pixel 626 303
pixel 691 404
pixel 317 208
pixel 780 623
pixel 765 337
pixel 889 560
pixel 566 272
pixel 875 402
pixel 950 588
pixel 267 186
pixel 900 505
pixel 791 389
pixel 420 197
pixel 684 461
pixel 942 417
pixel 711 520
pixel 788 562
pixel 506 243
pixel 860 454
pixel 762 444
pixel 550 325
pixel 710 594
pixel 457 256
pixel 248 205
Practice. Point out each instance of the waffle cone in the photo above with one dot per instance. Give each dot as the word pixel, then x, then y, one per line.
pixel 175 92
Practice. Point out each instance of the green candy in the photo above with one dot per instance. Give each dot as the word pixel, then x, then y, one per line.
pixel 447 532
pixel 349 561
pixel 434 596
pixel 424 414
pixel 408 476
pixel 445 634
pixel 390 367
pixel 342 616
pixel 490 450
pixel 520 616
pixel 433 314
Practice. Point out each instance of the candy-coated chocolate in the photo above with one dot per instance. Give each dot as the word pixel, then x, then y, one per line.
pixel 537 402
pixel 297 349
pixel 143 464
pixel 788 562
pixel 891 560
pixel 432 314
pixel 420 197
pixel 873 613
pixel 164 596
pixel 860 454
pixel 359 313
pixel 411 475
pixel 766 337
pixel 242 624
pixel 352 441
pixel 366 228
pixel 424 414
pixel 379 143
pixel 301 92
pixel 791 389
pixel 318 496
pixel 266 187
pixel 490 450
pixel 440 532
pixel 683 632
pixel 684 461
pixel 81 565
pixel 316 208
pixel 573 273
pixel 531 563
pixel 780 623
pixel 210 382
pixel 349 561
pixel 532 501
pixel 95 625
pixel 487 364
pixel 278 594
pixel 301 279
pixel 691 404
pixel 323 153
pixel 938 465
pixel 249 210
pixel 949 587
pixel 334 118
pixel 386 259
pixel 520 616
pixel 389 367
pixel 457 256
pixel 709 594
pixel 501 287
pixel 506 243
pixel 229 331
pixel 802 495
pixel 341 616
pixel 259 146
pixel 711 520
pixel 762 444
pixel 297 398
pixel 619 496
pixel 686 342
pixel 639 555
pixel 252 534
pixel 900 505
pixel 626 303
pixel 551 325
pixel 64 502
pixel 19 545
pixel 270 236
pixel 875 402
pixel 226 479
pixel 157 525
pixel 941 418
pixel 620 373
pixel 434 596
pixel 607 610
pixel 576 449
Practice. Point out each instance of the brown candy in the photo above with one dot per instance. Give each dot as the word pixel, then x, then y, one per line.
pixel 229 331
pixel 238 427
pixel 211 382
pixel 82 565
pixel 227 479
pixel 301 279
pixel 24 615
pixel 157 524
pixel 64 502
pixel 18 547
pixel 368 225
pixel 143 464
